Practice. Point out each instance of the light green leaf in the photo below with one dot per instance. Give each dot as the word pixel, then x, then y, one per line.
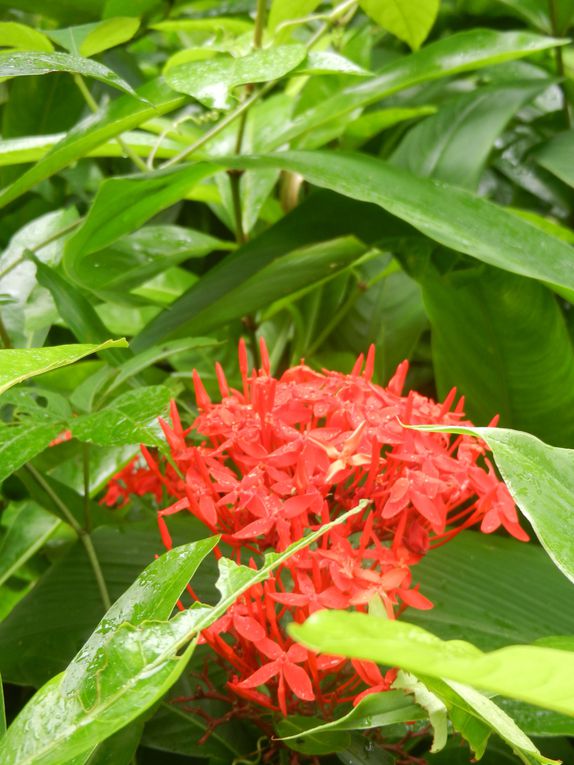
pixel 460 52
pixel 299 732
pixel 288 10
pixel 557 156
pixel 31 527
pixel 371 123
pixel 108 34
pixel 153 99
pixel 124 204
pixel 454 144
pixel 436 709
pixel 541 481
pixel 21 64
pixel 20 443
pixel 328 62
pixel 212 80
pixel 220 24
pixel 17 365
pixel 451 216
pixel 409 20
pixel 127 420
pixel 14 35
pixel 540 676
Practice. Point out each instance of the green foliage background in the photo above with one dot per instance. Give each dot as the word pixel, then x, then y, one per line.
pixel 176 175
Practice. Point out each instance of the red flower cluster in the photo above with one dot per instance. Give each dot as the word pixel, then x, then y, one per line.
pixel 283 456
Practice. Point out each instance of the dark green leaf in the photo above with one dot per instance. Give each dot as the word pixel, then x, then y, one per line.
pixel 557 156
pixel 30 529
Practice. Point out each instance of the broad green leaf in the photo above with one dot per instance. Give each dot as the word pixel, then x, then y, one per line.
pixel 126 420
pixel 15 35
pixel 140 256
pixel 371 123
pixel 557 156
pixel 17 365
pixel 30 529
pixel 535 721
pixel 124 668
pixel 158 353
pixel 540 676
pixel 457 53
pixel 409 20
pixel 451 216
pixel 288 10
pixel 541 481
pixel 482 603
pixel 119 749
pixel 299 734
pixel 77 312
pixel 373 711
pixel 454 144
pixel 322 217
pixel 108 34
pixel 526 369
pixel 124 204
pixel 127 112
pixel 20 64
pixel 21 443
pixel 212 81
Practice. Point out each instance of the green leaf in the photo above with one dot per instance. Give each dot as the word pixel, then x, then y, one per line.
pixel 20 64
pixel 557 156
pixel 14 35
pixel 535 721
pixel 119 749
pixel 526 369
pixel 454 144
pixel 451 216
pixel 20 443
pixel 211 81
pixel 327 62
pixel 299 733
pixel 540 676
pixel 460 52
pixel 482 603
pixel 124 204
pixel 2 710
pixel 126 420
pixel 108 34
pixel 322 217
pixel 77 312
pixel 140 256
pixel 541 481
pixel 371 123
pixel 373 711
pixel 30 529
pixel 409 20
pixel 17 365
pixel 431 703
pixel 288 10
pixel 153 99
pixel 130 661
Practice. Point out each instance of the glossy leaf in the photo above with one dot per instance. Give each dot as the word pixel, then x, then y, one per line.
pixel 530 673
pixel 20 64
pixel 454 144
pixel 17 365
pixel 212 81
pixel 21 443
pixel 31 527
pixel 460 52
pixel 15 35
pixel 557 156
pixel 126 420
pixel 409 20
pixel 125 113
pixel 108 34
pixel 123 204
pixel 526 368
pixel 451 216
pixel 541 480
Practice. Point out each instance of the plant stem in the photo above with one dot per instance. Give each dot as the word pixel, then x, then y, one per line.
pixel 260 16
pixel 4 336
pixel 92 103
pixel 235 183
pixel 83 536
pixel 86 471
pixel 559 61
pixel 40 246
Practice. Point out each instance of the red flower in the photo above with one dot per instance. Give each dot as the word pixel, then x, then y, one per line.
pixel 283 456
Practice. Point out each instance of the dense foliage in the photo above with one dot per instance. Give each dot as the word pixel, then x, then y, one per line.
pixel 351 541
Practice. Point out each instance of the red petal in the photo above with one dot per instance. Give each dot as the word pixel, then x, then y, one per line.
pixel 298 680
pixel 261 676
pixel 248 628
